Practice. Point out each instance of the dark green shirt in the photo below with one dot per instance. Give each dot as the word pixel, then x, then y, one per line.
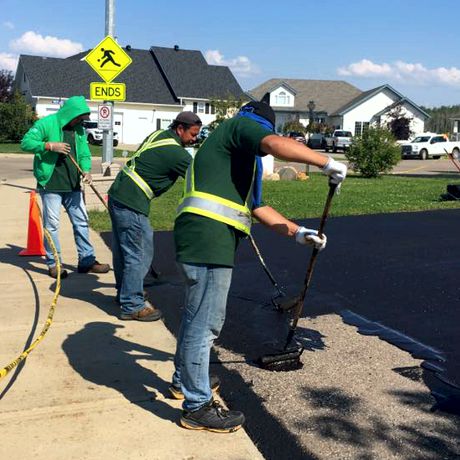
pixel 223 166
pixel 159 167
pixel 65 177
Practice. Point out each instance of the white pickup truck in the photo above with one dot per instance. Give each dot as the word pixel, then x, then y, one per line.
pixel 429 145
pixel 340 139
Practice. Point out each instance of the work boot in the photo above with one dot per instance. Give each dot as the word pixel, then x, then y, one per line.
pixel 176 392
pixel 213 417
pixel 96 267
pixel 52 271
pixel 148 313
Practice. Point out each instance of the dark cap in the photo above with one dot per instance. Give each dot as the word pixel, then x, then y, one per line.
pixel 260 108
pixel 188 118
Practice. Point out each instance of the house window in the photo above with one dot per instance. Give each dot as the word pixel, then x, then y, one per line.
pixel 163 124
pixel 361 127
pixel 200 107
pixel 282 98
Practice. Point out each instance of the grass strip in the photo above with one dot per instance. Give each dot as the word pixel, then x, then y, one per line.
pixel 301 200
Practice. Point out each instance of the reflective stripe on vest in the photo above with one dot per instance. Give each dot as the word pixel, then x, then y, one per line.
pixel 213 206
pixel 130 169
pixel 139 181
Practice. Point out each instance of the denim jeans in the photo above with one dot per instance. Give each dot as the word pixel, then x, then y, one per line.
pixel 206 294
pixel 132 252
pixel 76 210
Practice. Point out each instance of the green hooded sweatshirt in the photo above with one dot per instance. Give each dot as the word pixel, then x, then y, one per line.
pixel 49 129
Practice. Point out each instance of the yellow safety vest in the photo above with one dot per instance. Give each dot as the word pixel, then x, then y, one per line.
pixel 214 206
pixel 130 168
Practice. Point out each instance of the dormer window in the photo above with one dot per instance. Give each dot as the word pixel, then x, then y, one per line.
pixel 282 98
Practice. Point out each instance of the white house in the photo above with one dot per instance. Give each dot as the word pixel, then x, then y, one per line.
pixel 160 83
pixel 336 103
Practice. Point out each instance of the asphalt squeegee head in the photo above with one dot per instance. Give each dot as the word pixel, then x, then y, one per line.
pixel 289 358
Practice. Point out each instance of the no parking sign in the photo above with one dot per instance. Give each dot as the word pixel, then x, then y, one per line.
pixel 104 117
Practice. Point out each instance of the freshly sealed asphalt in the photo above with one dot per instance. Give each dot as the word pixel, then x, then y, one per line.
pixel 393 276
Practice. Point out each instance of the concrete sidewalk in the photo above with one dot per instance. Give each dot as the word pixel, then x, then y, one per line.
pixel 95 387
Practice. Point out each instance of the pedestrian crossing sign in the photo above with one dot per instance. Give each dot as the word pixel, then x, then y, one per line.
pixel 108 59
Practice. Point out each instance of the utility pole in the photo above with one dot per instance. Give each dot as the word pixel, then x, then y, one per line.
pixel 107 137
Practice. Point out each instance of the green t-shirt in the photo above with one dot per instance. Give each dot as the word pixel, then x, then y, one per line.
pixel 159 167
pixel 65 177
pixel 223 166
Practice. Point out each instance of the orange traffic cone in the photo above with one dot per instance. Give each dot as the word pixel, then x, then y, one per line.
pixel 35 233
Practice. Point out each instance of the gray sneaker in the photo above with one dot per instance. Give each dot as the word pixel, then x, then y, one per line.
pixel 213 417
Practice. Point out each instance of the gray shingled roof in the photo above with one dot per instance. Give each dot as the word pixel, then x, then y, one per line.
pixel 145 81
pixel 329 95
pixel 191 76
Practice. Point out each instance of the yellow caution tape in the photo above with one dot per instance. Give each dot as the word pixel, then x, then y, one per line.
pixel 5 371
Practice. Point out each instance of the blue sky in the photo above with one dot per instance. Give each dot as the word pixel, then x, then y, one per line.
pixel 413 45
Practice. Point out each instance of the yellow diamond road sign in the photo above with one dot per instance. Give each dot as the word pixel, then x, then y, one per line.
pixel 108 59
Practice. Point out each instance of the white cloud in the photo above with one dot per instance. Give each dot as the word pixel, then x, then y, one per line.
pixel 365 68
pixel 8 61
pixel 8 25
pixel 241 65
pixel 405 72
pixel 33 43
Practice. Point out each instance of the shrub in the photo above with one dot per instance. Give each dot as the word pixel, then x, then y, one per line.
pixel 373 153
pixel 16 117
pixel 293 125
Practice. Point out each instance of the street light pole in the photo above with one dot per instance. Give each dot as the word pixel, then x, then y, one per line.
pixel 107 137
pixel 311 107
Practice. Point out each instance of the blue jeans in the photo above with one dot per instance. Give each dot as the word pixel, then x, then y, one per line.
pixel 206 294
pixel 132 252
pixel 76 210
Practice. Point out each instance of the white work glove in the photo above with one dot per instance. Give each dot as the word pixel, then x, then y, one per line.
pixel 310 236
pixel 87 178
pixel 58 147
pixel 336 171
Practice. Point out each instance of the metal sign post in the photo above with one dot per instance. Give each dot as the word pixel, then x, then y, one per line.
pixel 107 135
pixel 108 60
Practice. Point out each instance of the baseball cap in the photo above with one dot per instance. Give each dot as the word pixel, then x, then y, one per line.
pixel 188 118
pixel 260 108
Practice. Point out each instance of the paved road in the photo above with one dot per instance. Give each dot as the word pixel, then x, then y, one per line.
pixel 17 166
pixel 392 276
pixel 409 167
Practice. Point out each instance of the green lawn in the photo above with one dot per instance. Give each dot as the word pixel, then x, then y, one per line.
pixel 96 150
pixel 298 200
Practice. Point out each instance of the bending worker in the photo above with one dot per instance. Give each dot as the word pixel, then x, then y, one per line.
pixel 213 216
pixel 149 173
pixel 52 139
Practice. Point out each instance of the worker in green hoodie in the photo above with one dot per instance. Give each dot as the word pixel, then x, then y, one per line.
pixel 52 139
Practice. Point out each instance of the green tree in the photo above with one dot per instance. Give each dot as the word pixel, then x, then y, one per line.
pixel 374 153
pixel 225 108
pixel 6 85
pixel 293 125
pixel 399 124
pixel 16 117
pixel 440 121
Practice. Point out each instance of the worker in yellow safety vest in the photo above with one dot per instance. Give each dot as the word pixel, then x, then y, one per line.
pixel 150 172
pixel 222 193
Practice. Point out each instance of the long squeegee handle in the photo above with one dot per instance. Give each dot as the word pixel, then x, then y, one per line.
pixel 322 224
pixel 91 185
pixel 311 265
pixel 262 261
